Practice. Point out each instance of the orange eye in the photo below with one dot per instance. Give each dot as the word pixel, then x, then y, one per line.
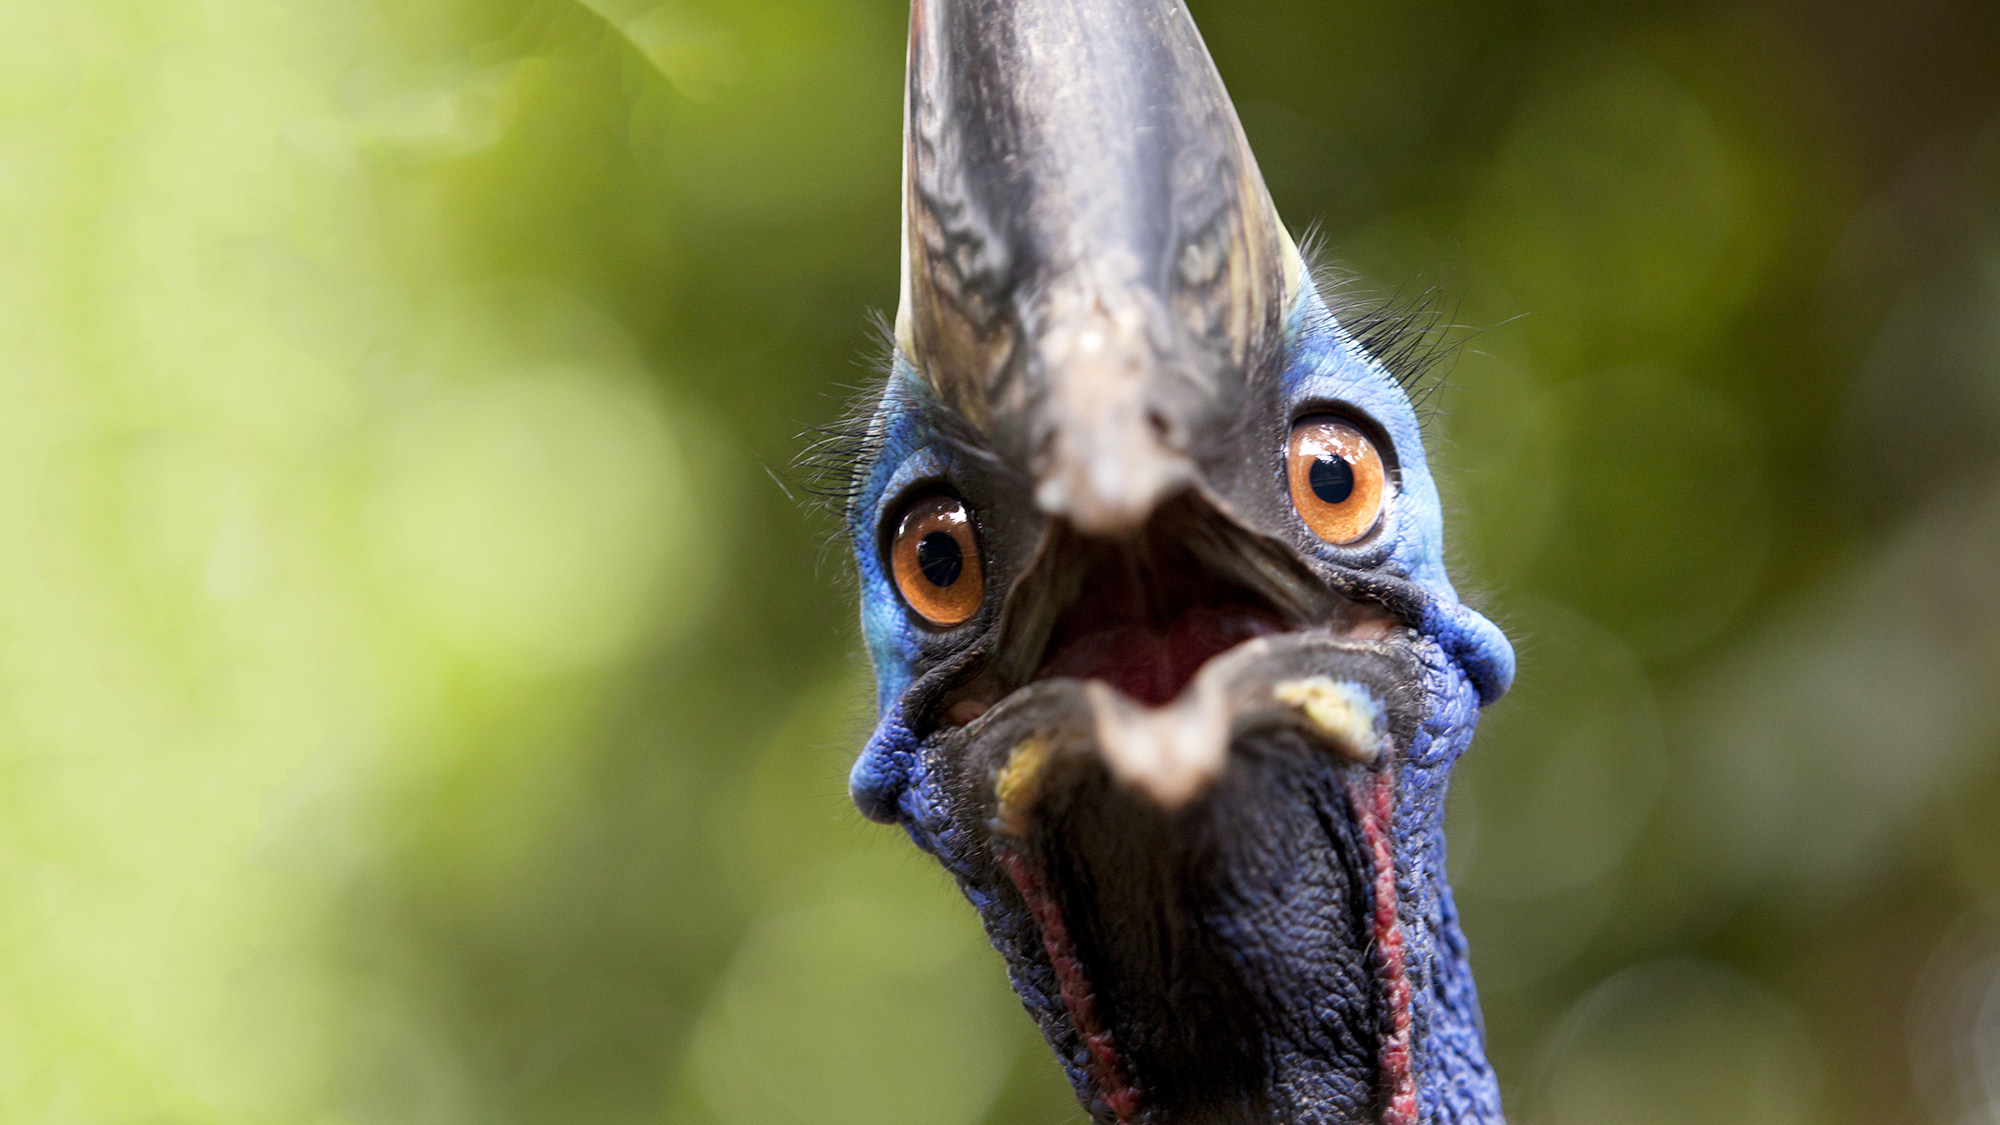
pixel 936 561
pixel 1336 479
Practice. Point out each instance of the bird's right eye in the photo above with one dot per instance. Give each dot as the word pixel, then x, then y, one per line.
pixel 935 560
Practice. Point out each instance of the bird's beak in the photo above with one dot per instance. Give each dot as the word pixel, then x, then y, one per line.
pixel 1151 657
pixel 1093 270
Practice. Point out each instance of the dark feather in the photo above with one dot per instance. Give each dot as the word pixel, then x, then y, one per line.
pixel 1411 332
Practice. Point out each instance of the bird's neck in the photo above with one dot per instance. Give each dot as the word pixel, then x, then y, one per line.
pixel 1313 967
pixel 1453 1082
pixel 1298 960
pixel 1392 919
pixel 1449 1079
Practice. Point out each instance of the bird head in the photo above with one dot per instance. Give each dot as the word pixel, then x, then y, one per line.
pixel 1170 673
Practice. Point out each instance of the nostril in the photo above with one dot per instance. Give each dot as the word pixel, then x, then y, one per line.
pixel 1163 427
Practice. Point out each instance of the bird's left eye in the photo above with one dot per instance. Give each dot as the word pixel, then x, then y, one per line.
pixel 935 560
pixel 1336 477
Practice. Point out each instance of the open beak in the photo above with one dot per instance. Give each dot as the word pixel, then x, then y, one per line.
pixel 1152 655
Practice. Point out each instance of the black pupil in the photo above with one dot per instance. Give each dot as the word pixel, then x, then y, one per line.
pixel 1332 479
pixel 940 558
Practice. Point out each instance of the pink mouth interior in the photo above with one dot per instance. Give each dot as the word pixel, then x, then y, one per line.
pixel 1150 657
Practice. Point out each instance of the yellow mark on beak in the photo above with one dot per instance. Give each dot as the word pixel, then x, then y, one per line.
pixel 1343 712
pixel 1019 783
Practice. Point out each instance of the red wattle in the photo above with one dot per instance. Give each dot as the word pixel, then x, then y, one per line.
pixel 1107 1068
pixel 1374 800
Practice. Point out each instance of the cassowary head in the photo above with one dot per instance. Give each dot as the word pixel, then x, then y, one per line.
pixel 1171 676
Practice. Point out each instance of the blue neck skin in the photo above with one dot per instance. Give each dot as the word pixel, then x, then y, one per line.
pixel 1467 663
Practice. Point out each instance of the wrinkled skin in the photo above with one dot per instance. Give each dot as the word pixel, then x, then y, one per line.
pixel 1217 907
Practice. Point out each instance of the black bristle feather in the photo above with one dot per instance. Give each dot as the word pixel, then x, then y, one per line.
pixel 830 465
pixel 828 468
pixel 1410 332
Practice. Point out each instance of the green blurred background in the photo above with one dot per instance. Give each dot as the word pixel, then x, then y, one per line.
pixel 420 703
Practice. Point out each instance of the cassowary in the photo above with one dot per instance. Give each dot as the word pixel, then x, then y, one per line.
pixel 1170 674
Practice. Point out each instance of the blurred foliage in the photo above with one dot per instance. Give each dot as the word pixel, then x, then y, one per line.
pixel 420 705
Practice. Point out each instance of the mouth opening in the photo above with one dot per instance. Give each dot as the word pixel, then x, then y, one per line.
pixel 1146 613
pixel 1148 616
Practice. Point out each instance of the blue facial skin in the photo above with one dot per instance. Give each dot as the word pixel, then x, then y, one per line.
pixel 1466 661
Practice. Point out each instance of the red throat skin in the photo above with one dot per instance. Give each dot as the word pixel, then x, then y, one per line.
pixel 1107 1067
pixel 1374 800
